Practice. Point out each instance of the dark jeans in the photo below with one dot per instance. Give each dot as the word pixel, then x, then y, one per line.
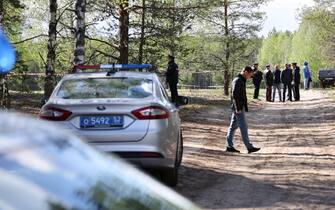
pixel 268 93
pixel 256 91
pixel 289 88
pixel 276 87
pixel 174 91
pixel 306 83
pixel 296 92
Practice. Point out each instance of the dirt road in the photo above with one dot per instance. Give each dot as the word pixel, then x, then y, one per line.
pixel 295 168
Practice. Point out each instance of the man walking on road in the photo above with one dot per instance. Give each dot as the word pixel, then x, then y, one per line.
pixel 296 81
pixel 172 75
pixel 286 78
pixel 239 107
pixel 276 83
pixel 256 80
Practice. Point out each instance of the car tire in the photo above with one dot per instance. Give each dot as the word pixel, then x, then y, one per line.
pixel 170 176
pixel 180 150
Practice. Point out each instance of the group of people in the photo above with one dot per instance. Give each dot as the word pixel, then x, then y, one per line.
pixel 289 78
pixel 239 103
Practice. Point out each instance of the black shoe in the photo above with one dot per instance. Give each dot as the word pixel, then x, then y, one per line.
pixel 232 149
pixel 253 149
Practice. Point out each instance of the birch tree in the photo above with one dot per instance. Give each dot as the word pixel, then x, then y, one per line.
pixel 79 52
pixel 51 56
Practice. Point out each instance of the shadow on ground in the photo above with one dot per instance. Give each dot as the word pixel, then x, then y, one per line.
pixel 206 186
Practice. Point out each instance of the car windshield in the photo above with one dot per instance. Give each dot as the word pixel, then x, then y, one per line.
pixel 105 88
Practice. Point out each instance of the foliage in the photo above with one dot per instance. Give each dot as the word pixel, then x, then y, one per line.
pixel 192 30
pixel 313 42
pixel 11 17
pixel 276 49
pixel 236 22
pixel 316 38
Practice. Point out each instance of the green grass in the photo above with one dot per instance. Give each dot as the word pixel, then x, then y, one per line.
pixel 202 99
pixel 211 97
pixel 205 99
pixel 28 103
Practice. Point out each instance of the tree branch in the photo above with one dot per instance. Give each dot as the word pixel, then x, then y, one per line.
pixel 34 37
pixel 102 41
pixel 106 54
pixel 45 63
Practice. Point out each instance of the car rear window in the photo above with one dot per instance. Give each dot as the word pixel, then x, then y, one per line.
pixel 105 88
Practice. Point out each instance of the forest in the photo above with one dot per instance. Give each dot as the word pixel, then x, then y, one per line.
pixel 216 36
pixel 313 42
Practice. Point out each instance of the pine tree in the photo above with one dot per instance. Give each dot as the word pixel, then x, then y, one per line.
pixel 238 21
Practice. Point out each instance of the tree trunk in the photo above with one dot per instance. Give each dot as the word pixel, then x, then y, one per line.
pixel 142 39
pixel 173 34
pixel 227 57
pixel 1 12
pixel 79 52
pixel 4 92
pixel 124 32
pixel 51 57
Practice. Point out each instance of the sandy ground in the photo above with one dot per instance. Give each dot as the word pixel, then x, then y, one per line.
pixel 295 168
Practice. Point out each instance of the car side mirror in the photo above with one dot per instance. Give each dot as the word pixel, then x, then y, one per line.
pixel 42 102
pixel 182 100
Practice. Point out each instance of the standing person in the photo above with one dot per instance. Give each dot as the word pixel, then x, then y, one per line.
pixel 172 75
pixel 290 67
pixel 239 107
pixel 296 81
pixel 276 83
pixel 307 76
pixel 268 82
pixel 286 78
pixel 256 80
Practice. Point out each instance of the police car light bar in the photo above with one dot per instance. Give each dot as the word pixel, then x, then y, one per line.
pixel 114 66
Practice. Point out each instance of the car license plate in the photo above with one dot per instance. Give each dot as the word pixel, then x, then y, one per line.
pixel 101 121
